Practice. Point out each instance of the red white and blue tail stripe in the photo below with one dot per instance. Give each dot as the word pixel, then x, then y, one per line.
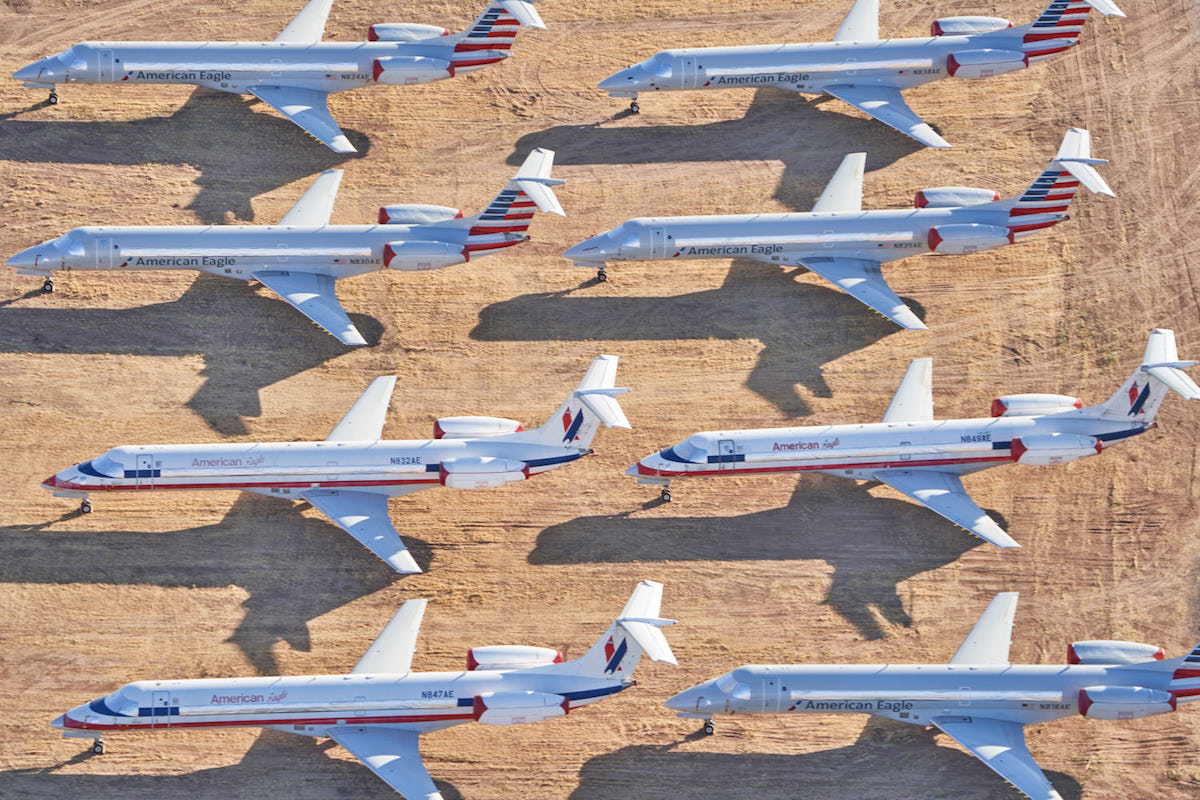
pixel 1044 203
pixel 1185 681
pixel 491 36
pixel 1059 26
pixel 503 222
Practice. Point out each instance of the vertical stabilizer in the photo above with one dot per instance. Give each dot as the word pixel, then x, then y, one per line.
pixel 1142 393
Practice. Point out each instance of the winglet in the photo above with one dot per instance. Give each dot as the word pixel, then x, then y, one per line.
pixel 989 640
pixel 309 25
pixel 364 421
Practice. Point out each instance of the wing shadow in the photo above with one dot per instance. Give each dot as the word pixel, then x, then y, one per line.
pixel 296 766
pixel 253 547
pixel 758 301
pixel 891 541
pixel 248 339
pixel 888 760
pixel 271 151
pixel 808 139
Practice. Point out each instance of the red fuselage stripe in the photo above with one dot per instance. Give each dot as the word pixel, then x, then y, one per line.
pixel 644 470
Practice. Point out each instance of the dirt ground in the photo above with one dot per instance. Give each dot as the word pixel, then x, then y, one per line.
pixel 756 570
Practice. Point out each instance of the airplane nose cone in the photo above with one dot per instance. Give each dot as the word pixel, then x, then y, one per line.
pixel 632 471
pixel 59 722
pixel 617 81
pixel 593 250
pixel 27 258
pixel 26 73
pixel 690 700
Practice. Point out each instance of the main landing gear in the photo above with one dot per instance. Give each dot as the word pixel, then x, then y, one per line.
pixel 601 275
pixel 665 495
pixel 86 508
pixel 98 747
pixel 48 286
pixel 53 98
pixel 708 728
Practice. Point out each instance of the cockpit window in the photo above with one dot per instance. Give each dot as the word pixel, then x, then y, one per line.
pixel 690 451
pixel 658 65
pixel 108 465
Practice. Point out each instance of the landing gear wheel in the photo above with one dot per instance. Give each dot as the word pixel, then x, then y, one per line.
pixel 53 100
pixel 85 508
pixel 665 495
pixel 708 727
pixel 98 747
pixel 634 108
pixel 601 276
pixel 48 286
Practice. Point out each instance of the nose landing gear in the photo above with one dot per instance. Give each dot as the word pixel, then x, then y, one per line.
pixel 48 286
pixel 601 275
pixel 665 495
pixel 53 98
pixel 98 747
pixel 85 508
pixel 708 728
pixel 634 108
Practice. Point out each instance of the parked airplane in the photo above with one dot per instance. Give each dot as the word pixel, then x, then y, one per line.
pixel 979 699
pixel 350 476
pixel 381 708
pixel 923 457
pixel 846 245
pixel 861 69
pixel 301 258
pixel 297 72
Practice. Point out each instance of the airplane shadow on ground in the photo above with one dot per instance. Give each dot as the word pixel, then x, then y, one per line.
pixel 277 764
pixel 795 322
pixel 873 544
pixel 777 126
pixel 248 338
pixel 889 759
pixel 241 147
pixel 255 547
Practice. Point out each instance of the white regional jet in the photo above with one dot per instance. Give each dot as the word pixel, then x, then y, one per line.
pixel 923 457
pixel 861 69
pixel 301 258
pixel 297 72
pixel 350 476
pixel 380 709
pixel 846 245
pixel 979 699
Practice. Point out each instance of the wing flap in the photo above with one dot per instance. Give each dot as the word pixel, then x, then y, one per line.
pixel 913 400
pixel 943 493
pixel 308 26
pixel 315 206
pixel 364 421
pixel 844 192
pixel 306 108
pixel 863 281
pixel 1001 745
pixel 392 650
pixel 886 104
pixel 315 296
pixel 364 516
pixel 990 638
pixel 392 754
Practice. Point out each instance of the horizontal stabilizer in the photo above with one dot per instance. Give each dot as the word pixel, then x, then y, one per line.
pixel 1106 7
pixel 533 178
pixel 640 620
pixel 597 391
pixel 1075 156
pixel 523 12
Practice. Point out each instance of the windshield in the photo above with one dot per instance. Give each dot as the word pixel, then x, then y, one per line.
pixel 689 450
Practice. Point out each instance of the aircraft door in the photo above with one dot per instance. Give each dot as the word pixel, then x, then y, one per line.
pixel 104 253
pixel 772 696
pixel 658 243
pixel 726 450
pixel 160 709
pixel 689 80
pixel 106 69
pixel 145 471
pixel 905 456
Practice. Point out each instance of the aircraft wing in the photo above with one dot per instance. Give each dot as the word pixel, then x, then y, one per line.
pixel 313 295
pixel 988 641
pixel 364 516
pixel 1001 745
pixel 863 281
pixel 364 421
pixel 392 650
pixel 886 104
pixel 943 493
pixel 308 26
pixel 861 24
pixel 392 754
pixel 844 190
pixel 913 400
pixel 315 206
pixel 306 108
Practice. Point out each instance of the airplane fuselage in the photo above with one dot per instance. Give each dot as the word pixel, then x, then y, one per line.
pixel 959 446
pixel 420 701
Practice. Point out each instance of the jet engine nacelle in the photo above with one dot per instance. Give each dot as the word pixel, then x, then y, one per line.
pixel 953 197
pixel 1110 652
pixel 1053 448
pixel 403 32
pixel 967 238
pixel 481 473
pixel 421 255
pixel 466 427
pixel 1124 702
pixel 984 63
pixel 409 70
pixel 1023 405
pixel 518 708
pixel 511 656
pixel 962 26
pixel 413 214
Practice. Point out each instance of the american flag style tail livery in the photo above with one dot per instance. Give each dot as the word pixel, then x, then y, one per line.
pixel 1058 27
pixel 491 36
pixel 1143 392
pixel 506 219
pixel 1047 199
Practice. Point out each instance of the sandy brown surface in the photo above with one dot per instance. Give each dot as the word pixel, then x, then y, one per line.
pixel 765 570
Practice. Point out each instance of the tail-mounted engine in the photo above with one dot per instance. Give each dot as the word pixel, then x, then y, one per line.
pixel 964 26
pixel 511 656
pixel 467 427
pixel 1053 448
pixel 984 63
pixel 953 197
pixel 1111 652
pixel 414 214
pixel 518 708
pixel 481 473
pixel 966 238
pixel 1124 702
pixel 410 70
pixel 1025 405
pixel 421 255
pixel 403 32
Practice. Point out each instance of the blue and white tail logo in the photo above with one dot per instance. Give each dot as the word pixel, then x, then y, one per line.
pixel 615 654
pixel 1138 399
pixel 571 425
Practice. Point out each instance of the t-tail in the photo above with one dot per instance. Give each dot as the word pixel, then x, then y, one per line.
pixel 506 219
pixel 576 421
pixel 1047 199
pixel 490 37
pixel 635 633
pixel 1058 27
pixel 1140 396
